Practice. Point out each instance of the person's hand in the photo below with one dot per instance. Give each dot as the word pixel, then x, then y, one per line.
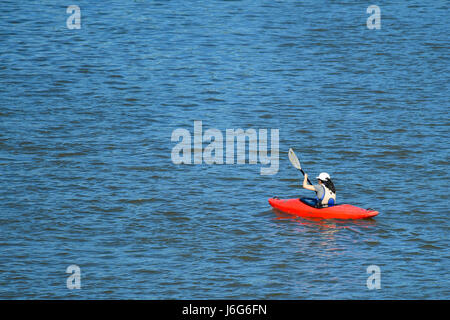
pixel 306 176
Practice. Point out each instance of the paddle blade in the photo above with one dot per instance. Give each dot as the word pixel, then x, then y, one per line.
pixel 294 160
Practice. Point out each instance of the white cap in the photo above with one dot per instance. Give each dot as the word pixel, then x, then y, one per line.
pixel 324 176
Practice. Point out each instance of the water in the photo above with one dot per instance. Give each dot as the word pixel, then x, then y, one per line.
pixel 86 118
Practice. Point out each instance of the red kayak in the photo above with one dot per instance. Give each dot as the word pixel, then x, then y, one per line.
pixel 342 211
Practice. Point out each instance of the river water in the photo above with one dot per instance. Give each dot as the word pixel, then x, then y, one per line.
pixel 88 179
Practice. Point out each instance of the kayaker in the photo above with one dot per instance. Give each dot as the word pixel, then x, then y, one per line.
pixel 325 191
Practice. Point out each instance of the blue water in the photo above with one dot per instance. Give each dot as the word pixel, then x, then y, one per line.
pixel 86 118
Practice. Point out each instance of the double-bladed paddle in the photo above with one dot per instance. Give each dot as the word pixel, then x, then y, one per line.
pixel 295 162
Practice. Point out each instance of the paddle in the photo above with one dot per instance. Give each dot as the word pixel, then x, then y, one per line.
pixel 294 160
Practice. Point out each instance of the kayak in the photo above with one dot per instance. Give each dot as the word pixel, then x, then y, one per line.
pixel 343 211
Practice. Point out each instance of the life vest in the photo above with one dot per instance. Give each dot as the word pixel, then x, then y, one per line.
pixel 328 199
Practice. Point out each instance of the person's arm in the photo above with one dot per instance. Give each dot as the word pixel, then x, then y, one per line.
pixel 306 185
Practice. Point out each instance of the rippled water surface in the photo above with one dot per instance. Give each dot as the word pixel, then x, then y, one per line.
pixel 86 118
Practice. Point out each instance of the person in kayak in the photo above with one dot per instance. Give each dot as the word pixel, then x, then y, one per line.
pixel 325 191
